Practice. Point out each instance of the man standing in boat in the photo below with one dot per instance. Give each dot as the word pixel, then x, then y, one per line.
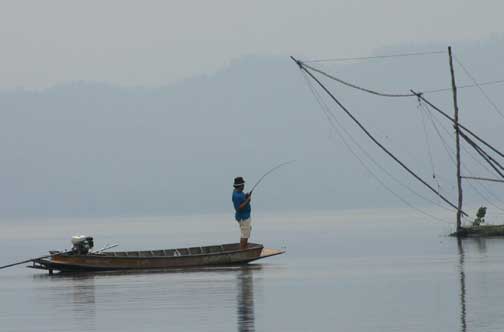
pixel 241 202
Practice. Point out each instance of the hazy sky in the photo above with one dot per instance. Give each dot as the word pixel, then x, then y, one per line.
pixel 94 149
pixel 48 42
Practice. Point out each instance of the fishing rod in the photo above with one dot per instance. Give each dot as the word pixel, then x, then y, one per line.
pixel 52 255
pixel 269 172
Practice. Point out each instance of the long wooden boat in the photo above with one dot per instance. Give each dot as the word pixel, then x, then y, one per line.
pixel 224 254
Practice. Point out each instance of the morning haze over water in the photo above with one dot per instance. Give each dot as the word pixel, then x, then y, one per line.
pixel 129 121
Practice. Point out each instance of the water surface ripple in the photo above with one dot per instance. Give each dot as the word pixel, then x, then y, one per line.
pixel 382 270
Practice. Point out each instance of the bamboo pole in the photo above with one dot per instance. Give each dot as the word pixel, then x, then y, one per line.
pixel 481 179
pixel 29 260
pixel 55 254
pixel 457 141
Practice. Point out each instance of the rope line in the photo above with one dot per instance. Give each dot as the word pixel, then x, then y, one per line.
pixel 335 123
pixel 382 94
pixel 412 94
pixel 429 152
pixel 375 57
pixel 450 154
pixel 368 155
pixel 303 67
pixel 466 150
pixel 480 88
pixel 464 130
pixel 419 95
pixel 463 86
pixel 482 153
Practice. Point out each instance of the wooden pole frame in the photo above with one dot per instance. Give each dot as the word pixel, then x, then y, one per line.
pixel 482 179
pixel 457 141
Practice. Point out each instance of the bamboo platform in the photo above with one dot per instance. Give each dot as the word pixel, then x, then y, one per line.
pixel 481 231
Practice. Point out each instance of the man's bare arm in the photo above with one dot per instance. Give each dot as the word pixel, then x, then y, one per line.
pixel 247 200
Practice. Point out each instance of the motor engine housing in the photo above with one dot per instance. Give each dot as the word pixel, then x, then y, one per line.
pixel 82 244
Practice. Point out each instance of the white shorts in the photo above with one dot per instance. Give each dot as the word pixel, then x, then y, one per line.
pixel 245 228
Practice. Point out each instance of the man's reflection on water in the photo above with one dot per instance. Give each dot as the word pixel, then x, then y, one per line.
pixel 76 294
pixel 245 298
pixel 83 295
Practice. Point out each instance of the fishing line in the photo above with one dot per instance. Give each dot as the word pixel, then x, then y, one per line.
pixel 269 172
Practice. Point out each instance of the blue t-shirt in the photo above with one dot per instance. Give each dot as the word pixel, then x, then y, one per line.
pixel 238 199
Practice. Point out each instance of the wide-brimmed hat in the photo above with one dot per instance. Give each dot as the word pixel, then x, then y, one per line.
pixel 238 181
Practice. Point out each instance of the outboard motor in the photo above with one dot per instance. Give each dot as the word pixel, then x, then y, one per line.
pixel 82 244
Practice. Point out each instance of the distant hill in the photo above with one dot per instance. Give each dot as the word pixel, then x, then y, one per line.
pixel 88 149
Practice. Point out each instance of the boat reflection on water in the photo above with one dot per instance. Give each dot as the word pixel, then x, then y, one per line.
pixel 83 300
pixel 75 293
pixel 245 298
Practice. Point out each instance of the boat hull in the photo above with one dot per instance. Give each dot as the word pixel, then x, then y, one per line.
pixel 158 259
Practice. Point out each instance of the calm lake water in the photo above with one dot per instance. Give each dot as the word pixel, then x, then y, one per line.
pixel 382 270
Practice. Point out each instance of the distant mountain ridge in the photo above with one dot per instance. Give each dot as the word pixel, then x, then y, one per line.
pixel 89 149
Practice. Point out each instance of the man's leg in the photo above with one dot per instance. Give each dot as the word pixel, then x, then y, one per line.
pixel 243 243
pixel 245 229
